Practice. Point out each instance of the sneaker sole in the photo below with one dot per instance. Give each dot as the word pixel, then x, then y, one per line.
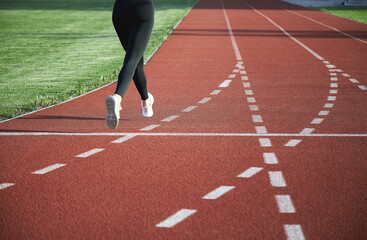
pixel 112 119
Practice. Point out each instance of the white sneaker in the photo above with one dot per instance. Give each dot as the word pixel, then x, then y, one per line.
pixel 148 110
pixel 113 111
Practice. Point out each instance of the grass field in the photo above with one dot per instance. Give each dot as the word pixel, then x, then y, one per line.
pixel 356 13
pixel 52 50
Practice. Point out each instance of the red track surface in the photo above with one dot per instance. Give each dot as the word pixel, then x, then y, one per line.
pixel 124 191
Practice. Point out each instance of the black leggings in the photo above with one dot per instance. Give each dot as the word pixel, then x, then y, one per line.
pixel 133 21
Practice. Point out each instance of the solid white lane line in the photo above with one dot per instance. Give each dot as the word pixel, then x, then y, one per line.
pixel 261 129
pixel 246 84
pixel 170 118
pixel 265 142
pixel 362 87
pixel 307 131
pixel 331 98
pixel 189 109
pixel 334 79
pixel 204 100
pixel 333 91
pixel 6 185
pixel 317 120
pixel 150 127
pixel 294 232
pixel 232 76
pixel 251 100
pixel 250 172
pixel 244 78
pixel 277 179
pixel 346 75
pixel 215 92
pixel 249 92
pixel 176 218
pixel 353 80
pixel 254 107
pixel 329 105
pixel 270 158
pixel 90 152
pixel 292 143
pixel 217 193
pixel 285 204
pixel 243 72
pixel 323 113
pixel 49 169
pixel 225 83
pixel 333 85
pixel 123 139
pixel 257 118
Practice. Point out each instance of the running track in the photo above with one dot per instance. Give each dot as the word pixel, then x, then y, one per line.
pixel 259 132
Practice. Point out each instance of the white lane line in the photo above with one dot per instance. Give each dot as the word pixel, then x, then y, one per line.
pixel 333 91
pixel 270 158
pixel 323 113
pixel 225 83
pixel 124 139
pixel 90 152
pixel 293 143
pixel 326 62
pixel 261 129
pixel 243 72
pixel 176 218
pixel 265 142
pixel 333 79
pixel 250 172
pixel 49 169
pixel 170 118
pixel 339 70
pixel 353 80
pixel 244 78
pixel 329 105
pixel 217 193
pixel 362 87
pixel 346 75
pixel 6 185
pixel 241 67
pixel 246 84
pixel 150 127
pixel 331 98
pixel 189 109
pixel 236 70
pixel 317 120
pixel 232 76
pixel 249 92
pixel 294 232
pixel 257 119
pixel 330 66
pixel 251 100
pixel 254 107
pixel 333 85
pixel 307 131
pixel 285 204
pixel 333 74
pixel 215 92
pixel 277 179
pixel 204 100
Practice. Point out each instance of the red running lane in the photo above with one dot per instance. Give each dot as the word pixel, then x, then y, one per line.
pixel 294 186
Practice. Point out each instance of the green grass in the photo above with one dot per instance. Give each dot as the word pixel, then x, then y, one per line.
pixel 51 51
pixel 356 13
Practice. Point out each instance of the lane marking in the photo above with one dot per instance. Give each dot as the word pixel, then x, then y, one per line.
pixel 215 92
pixel 250 172
pixel 333 85
pixel 217 193
pixel 332 74
pixel 277 179
pixel 204 100
pixel 257 119
pixel 331 98
pixel 285 204
pixel 346 75
pixel 330 66
pixel 329 105
pixel 189 109
pixel 150 127
pixel 244 78
pixel 236 70
pixel 249 92
pixel 270 158
pixel 323 113
pixel 49 169
pixel 241 67
pixel 307 131
pixel 265 142
pixel 232 76
pixel 6 185
pixel 124 139
pixel 293 143
pixel 362 87
pixel 353 80
pixel 261 129
pixel 334 79
pixel 243 72
pixel 176 218
pixel 170 118
pixel 225 83
pixel 333 91
pixel 254 107
pixel 294 232
pixel 246 84
pixel 326 62
pixel 317 120
pixel 90 152
pixel 251 100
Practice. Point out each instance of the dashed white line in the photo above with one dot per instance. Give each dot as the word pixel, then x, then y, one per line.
pixel 293 143
pixel 346 75
pixel 170 118
pixel 250 172
pixel 285 204
pixel 330 66
pixel 334 79
pixel 294 232
pixel 244 78
pixel 49 169
pixel 243 72
pixel 326 62
pixel 331 98
pixel 236 70
pixel 270 158
pixel 353 80
pixel 277 179
pixel 333 91
pixel 333 85
pixel 123 139
pixel 362 87
pixel 323 113
pixel 333 74
pixel 90 152
pixel 204 100
pixel 215 194
pixel 6 185
pixel 225 83
pixel 307 131
pixel 246 84
pixel 265 142
pixel 257 118
pixel 176 218
pixel 317 120
pixel 254 107
pixel 241 67
pixel 251 100
pixel 150 127
pixel 215 92
pixel 261 129
pixel 328 105
pixel 189 109
pixel 249 92
pixel 232 76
